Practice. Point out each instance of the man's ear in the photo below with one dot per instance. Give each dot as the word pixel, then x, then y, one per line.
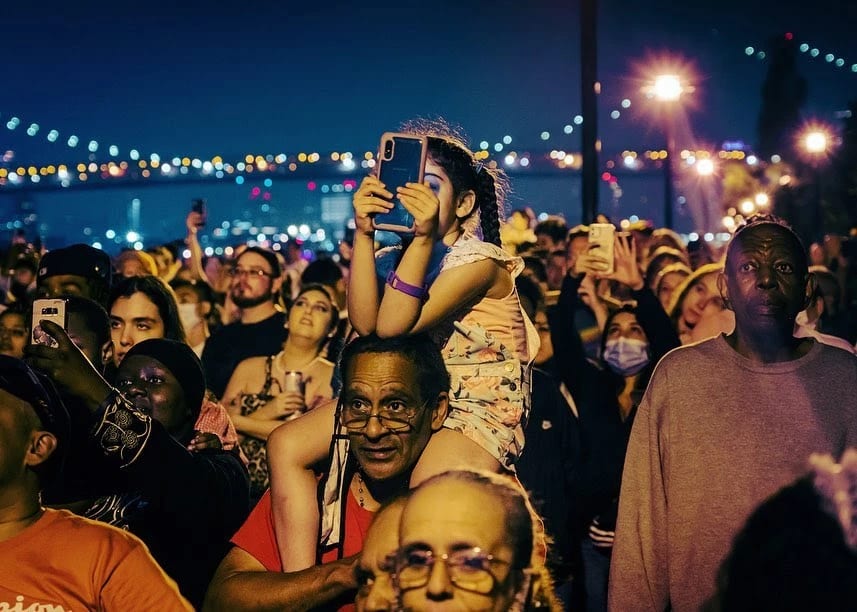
pixel 106 353
pixel 41 447
pixel 277 284
pixel 466 202
pixel 723 288
pixel 810 291
pixel 440 411
pixel 206 309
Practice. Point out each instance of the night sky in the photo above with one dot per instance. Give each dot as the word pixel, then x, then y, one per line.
pixel 231 78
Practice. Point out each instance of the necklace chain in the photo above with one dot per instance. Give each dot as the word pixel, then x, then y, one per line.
pixel 360 493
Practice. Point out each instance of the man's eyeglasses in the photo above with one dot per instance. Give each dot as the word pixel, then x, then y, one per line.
pixel 469 569
pixel 395 416
pixel 250 273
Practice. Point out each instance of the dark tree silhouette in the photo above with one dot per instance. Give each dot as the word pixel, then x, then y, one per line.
pixel 784 93
pixel 845 167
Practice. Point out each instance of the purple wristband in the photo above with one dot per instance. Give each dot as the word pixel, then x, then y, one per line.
pixel 401 286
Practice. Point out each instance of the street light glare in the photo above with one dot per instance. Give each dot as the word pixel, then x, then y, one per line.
pixel 705 167
pixel 816 142
pixel 667 87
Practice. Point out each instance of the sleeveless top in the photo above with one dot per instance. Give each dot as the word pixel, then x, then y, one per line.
pixel 256 448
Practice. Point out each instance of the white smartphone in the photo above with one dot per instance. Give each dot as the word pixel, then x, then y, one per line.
pixel 48 309
pixel 599 257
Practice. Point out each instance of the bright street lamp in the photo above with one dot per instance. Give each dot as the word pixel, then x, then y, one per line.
pixel 705 167
pixel 667 87
pixel 816 142
pixel 666 81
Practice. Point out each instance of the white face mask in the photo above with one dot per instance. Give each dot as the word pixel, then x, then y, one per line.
pixel 189 316
pixel 626 356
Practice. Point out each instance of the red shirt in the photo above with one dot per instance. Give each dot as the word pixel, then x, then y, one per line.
pixel 256 536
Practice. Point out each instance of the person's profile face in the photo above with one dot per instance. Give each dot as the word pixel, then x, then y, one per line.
pixel 18 420
pixel 453 517
pixel 667 286
pixel 577 246
pixel 387 382
pixel 85 339
pixel 703 297
pixel 375 590
pixel 766 277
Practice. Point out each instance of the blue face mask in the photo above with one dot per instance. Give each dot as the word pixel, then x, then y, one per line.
pixel 626 356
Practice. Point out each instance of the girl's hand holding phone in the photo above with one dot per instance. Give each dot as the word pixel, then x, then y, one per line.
pixel 369 200
pixel 422 203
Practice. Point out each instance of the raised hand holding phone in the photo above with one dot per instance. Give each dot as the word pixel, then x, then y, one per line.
pixel 422 203
pixel 401 160
pixel 370 200
pixel 48 309
pixel 625 268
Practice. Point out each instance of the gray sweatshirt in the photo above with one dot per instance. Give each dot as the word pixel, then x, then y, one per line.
pixel 715 436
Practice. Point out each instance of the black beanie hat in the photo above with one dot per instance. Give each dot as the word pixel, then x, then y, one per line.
pixel 181 361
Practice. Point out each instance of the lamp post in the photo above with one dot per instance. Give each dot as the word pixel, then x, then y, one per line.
pixel 705 169
pixel 815 144
pixel 667 89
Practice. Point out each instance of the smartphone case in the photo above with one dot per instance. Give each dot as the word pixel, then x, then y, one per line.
pixel 48 309
pixel 601 237
pixel 401 159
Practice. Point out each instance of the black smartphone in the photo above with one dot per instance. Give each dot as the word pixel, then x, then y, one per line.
pixel 401 159
pixel 197 205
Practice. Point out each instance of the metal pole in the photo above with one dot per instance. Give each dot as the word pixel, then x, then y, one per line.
pixel 589 103
pixel 669 193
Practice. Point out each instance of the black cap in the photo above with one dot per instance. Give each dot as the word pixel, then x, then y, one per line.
pixel 79 260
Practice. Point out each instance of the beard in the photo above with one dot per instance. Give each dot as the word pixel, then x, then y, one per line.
pixel 249 301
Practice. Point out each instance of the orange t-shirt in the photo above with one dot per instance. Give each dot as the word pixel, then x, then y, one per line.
pixel 65 562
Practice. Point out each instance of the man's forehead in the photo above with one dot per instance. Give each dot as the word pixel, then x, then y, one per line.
pixel 250 258
pixel 766 236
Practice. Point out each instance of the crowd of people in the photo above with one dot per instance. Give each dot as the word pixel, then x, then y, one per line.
pixel 481 417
